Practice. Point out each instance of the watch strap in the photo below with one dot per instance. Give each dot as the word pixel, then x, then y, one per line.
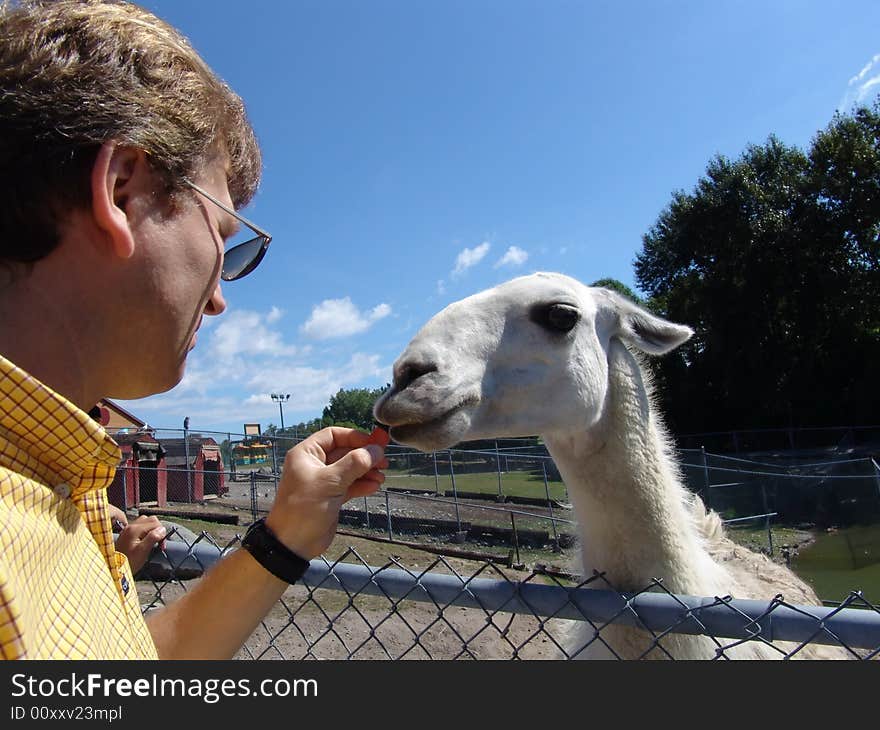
pixel 272 554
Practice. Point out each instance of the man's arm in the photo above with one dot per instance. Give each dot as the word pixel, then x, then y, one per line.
pixel 215 618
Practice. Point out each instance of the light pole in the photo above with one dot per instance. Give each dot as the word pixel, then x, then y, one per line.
pixel 280 398
pixel 189 489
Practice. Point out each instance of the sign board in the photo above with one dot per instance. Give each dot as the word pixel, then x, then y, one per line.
pixel 252 429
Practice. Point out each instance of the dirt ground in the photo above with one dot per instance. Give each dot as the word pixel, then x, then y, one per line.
pixel 329 624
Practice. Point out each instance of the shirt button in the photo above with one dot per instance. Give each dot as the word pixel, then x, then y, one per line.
pixel 62 490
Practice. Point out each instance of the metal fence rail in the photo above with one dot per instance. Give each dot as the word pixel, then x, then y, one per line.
pixel 346 609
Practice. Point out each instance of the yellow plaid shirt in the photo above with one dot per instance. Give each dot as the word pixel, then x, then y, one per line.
pixel 65 593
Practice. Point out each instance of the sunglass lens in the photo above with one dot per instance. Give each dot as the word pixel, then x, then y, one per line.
pixel 242 259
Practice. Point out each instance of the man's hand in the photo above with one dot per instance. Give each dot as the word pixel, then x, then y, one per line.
pixel 138 538
pixel 320 474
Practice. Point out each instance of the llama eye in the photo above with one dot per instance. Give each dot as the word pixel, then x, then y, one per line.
pixel 556 317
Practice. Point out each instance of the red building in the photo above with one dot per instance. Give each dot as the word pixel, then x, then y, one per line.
pixel 155 472
pixel 194 469
pixel 140 477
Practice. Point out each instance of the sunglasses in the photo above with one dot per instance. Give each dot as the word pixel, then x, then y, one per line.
pixel 243 258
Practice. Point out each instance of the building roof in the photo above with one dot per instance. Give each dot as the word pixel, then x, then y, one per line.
pixel 175 449
pixel 119 411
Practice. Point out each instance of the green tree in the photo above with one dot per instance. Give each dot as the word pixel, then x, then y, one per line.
pixel 773 259
pixel 352 408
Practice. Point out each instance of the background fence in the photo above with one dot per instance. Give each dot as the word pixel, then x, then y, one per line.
pixel 496 512
pixel 502 494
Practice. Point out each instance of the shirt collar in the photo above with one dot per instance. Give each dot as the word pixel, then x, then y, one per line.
pixel 65 444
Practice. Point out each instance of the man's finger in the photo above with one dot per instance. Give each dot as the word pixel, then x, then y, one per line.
pixel 366 485
pixel 143 526
pixel 357 463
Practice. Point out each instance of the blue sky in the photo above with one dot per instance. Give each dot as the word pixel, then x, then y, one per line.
pixel 418 152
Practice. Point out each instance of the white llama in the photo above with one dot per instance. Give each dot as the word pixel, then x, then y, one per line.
pixel 544 354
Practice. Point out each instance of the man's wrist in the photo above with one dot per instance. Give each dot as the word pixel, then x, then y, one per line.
pixel 265 547
pixel 289 534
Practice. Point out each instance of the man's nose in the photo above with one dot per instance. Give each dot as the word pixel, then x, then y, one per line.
pixel 216 304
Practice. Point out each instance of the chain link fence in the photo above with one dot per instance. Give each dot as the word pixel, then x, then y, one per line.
pixel 348 609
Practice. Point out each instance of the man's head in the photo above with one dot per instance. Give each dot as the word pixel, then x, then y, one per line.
pixel 124 157
pixel 76 74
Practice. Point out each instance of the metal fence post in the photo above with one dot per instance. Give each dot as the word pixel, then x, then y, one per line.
pixel 767 523
pixel 125 489
pixel 454 491
pixel 876 475
pixel 388 516
pixel 556 547
pixel 253 478
pixel 706 485
pixel 367 511
pixel 515 537
pixel 436 475
pixel 498 469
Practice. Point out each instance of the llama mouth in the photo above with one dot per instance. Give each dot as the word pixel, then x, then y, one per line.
pixel 436 433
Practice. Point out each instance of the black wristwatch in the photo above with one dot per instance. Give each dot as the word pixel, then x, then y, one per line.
pixel 268 551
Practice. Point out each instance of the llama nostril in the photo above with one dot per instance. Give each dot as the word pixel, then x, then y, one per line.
pixel 409 372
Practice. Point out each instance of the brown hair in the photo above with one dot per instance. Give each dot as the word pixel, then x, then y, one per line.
pixel 75 74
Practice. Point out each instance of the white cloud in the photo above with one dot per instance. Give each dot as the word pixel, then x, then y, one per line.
pixel 241 395
pixel 247 332
pixel 470 257
pixel 514 256
pixel 274 315
pixel 310 388
pixel 243 358
pixel 864 72
pixel 340 318
pixel 862 85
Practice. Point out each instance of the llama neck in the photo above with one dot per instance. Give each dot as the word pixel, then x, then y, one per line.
pixel 633 512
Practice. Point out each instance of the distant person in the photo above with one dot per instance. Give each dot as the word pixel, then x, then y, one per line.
pixel 124 159
pixel 136 539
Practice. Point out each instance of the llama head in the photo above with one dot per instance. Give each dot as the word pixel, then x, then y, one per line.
pixel 527 357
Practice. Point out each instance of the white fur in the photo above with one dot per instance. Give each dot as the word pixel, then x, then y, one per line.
pixel 484 367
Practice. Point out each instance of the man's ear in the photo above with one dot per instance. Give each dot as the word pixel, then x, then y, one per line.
pixel 116 175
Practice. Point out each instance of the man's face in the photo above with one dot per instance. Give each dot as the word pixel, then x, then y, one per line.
pixel 178 274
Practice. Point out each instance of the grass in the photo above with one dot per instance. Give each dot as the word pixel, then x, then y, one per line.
pixel 513 483
pixel 755 537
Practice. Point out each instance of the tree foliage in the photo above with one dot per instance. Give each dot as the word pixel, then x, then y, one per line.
pixel 773 260
pixel 352 408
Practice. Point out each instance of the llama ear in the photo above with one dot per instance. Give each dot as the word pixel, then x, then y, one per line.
pixel 648 332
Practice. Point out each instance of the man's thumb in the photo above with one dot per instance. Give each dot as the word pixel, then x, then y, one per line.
pixel 356 463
